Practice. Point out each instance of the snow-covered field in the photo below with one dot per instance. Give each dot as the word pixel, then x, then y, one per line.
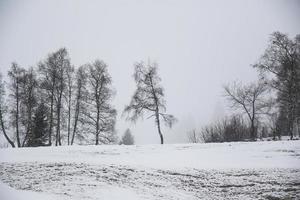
pixel 253 170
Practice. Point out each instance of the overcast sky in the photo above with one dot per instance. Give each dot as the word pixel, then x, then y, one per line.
pixel 199 46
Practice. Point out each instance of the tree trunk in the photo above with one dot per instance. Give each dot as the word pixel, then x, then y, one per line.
pixel 290 126
pixel 159 130
pixel 74 132
pixel 252 131
pixel 17 118
pixel 253 134
pixel 58 139
pixel 69 116
pixel 51 117
pixel 291 133
pixel 97 129
pixel 29 125
pixel 97 139
pixel 157 113
pixel 25 139
pixel 98 113
pixel 4 131
pixel 57 142
pixel 75 121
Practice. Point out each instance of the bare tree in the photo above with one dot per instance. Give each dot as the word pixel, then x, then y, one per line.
pixel 28 101
pixel 15 74
pixel 69 93
pixel 99 113
pixel 80 96
pixel 250 99
pixel 149 97
pixel 3 111
pixel 53 75
pixel 280 68
pixel 48 73
pixel 63 64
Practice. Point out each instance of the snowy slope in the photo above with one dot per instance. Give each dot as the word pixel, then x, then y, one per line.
pixel 187 171
pixel 279 154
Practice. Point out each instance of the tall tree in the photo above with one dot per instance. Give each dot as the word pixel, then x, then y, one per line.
pixel 16 74
pixel 100 113
pixel 48 72
pixel 53 75
pixel 28 101
pixel 149 97
pixel 3 111
pixel 280 68
pixel 69 91
pixel 80 98
pixel 63 63
pixel 250 99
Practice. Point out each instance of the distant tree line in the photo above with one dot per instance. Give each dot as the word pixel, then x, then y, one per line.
pixel 57 104
pixel 267 108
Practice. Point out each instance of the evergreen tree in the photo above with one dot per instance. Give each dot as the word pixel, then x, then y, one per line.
pixel 39 133
pixel 127 138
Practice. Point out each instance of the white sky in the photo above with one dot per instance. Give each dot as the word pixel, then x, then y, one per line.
pixel 199 45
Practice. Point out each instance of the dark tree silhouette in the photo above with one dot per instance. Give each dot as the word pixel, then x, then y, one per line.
pixel 149 97
pixel 250 99
pixel 280 68
pixel 38 136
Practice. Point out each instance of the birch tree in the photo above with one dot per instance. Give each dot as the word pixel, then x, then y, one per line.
pixel 53 76
pixel 69 94
pixel 149 97
pixel 80 99
pixel 15 75
pixel 100 114
pixel 3 111
pixel 28 101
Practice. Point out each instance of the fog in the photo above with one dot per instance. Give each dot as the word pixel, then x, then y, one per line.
pixel 199 46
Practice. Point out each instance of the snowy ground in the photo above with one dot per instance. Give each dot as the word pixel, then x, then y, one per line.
pixel 258 170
